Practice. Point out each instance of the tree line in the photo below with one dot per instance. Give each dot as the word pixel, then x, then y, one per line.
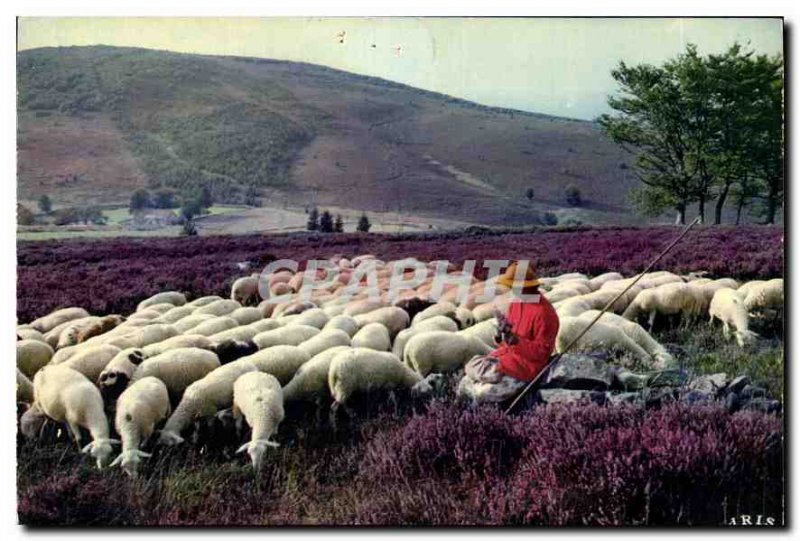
pixel 704 130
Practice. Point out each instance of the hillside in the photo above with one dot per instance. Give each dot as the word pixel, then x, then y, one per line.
pixel 95 123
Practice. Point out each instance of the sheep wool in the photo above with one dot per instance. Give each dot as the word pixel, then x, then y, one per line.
pixel 203 301
pixel 436 323
pixel 66 395
pixel 442 351
pixel 485 331
pixel 667 299
pixel 314 317
pixel 291 335
pixel 441 308
pixel 151 334
pixel 186 324
pixel 24 388
pixel 636 333
pixel 32 355
pixel 140 407
pixel 310 382
pixel 360 370
pixel 393 318
pixel 91 361
pixel 72 327
pixel 264 325
pixel 104 325
pixel 601 336
pixel 573 307
pixel 245 290
pixel 219 308
pixel 203 398
pixel 215 326
pixel 372 336
pixel 280 361
pixel 54 319
pixel 29 333
pixel 727 305
pixel 243 333
pixel 259 399
pixel 116 375
pixel 246 315
pixel 178 368
pixel 766 296
pixel 179 341
pixel 174 298
pixel 342 322
pixel 597 282
pixel 324 340
pixel 176 314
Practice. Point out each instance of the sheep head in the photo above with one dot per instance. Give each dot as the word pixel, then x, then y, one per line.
pixel 129 460
pixel 256 450
pixel 167 437
pixel 101 450
pixel 744 338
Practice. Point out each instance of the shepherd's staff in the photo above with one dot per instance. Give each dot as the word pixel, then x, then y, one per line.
pixel 610 303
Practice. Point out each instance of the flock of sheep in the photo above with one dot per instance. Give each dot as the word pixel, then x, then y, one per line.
pixel 173 363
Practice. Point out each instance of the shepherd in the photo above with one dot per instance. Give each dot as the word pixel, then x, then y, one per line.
pixel 525 339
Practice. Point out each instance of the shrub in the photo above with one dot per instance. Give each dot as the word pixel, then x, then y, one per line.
pixel 338 224
pixel 550 219
pixel 573 196
pixel 529 194
pixel 313 220
pixel 326 222
pixel 24 215
pixel 363 224
pixel 45 204
pixel 140 200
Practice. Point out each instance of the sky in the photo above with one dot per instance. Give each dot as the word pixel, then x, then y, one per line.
pixel 557 66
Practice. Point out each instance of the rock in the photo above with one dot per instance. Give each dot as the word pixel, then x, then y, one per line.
pixel 657 396
pixel 616 399
pixel 732 402
pixel 629 381
pixel 765 405
pixel 697 398
pixel 737 384
pixel 667 378
pixel 580 371
pixel 568 396
pixel 710 383
pixel 752 391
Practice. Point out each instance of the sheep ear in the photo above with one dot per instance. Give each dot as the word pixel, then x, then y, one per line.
pixel 272 443
pixel 116 461
pixel 242 449
pixel 87 448
pixel 142 454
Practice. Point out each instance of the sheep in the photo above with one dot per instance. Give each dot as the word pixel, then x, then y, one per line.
pixel 413 305
pixel 334 309
pixel 442 351
pixel 186 324
pixel 28 333
pixel 487 310
pixel 280 361
pixel 441 308
pixel 372 336
pixel 464 317
pixel 436 323
pixel 727 305
pixel 362 306
pixel 24 388
pixel 264 325
pixel 573 307
pixel 310 382
pixel 65 395
pixel 485 331
pixel 91 361
pixel 667 299
pixel 231 349
pixel 53 336
pixel 342 322
pixel 54 319
pixel 179 341
pixel 258 398
pixel 745 288
pixel 766 296
pixel 176 314
pixel 596 282
pixel 145 315
pixel 174 298
pixel 215 326
pixel 178 368
pixel 602 336
pixel 151 334
pixel 636 333
pixel 203 398
pixel 392 318
pixel 32 355
pixel 104 325
pixel 291 335
pixel 219 308
pixel 243 333
pixel 313 317
pixel 563 293
pixel 324 340
pixel 362 370
pixel 245 290
pixel 292 308
pixel 162 308
pixel 140 407
pixel 203 301
pixel 116 375
pixel 246 315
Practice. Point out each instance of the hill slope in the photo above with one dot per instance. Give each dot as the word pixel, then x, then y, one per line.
pixel 98 122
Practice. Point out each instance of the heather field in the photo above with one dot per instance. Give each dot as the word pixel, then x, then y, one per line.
pixel 412 462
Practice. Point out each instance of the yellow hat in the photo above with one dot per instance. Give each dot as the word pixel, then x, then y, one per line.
pixel 507 279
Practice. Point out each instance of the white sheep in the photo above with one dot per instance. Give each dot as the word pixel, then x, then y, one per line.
pixel 281 361
pixel 727 305
pixel 313 317
pixel 485 331
pixel 204 398
pixel 25 332
pixel 219 308
pixel 360 370
pixel 116 375
pixel 573 307
pixel 32 355
pixel 442 351
pixel 91 361
pixel 392 318
pixel 745 288
pixel 766 296
pixel 178 368
pixel 246 315
pixel 214 326
pixel 310 382
pixel 186 324
pixel 290 335
pixel 258 398
pixel 436 323
pixel 373 336
pixel 162 308
pixel 342 322
pixel 179 341
pixel 362 306
pixel 243 334
pixel 176 314
pixel 150 334
pixel 636 333
pixel 174 298
pixel 53 336
pixel 139 408
pixel 667 299
pixel 264 325
pixel 104 325
pixel 324 340
pixel 24 388
pixel 65 395
pixel 597 282
pixel 601 336
pixel 54 319
pixel 245 290
pixel 441 308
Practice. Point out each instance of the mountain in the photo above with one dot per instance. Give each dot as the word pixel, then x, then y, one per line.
pixel 95 123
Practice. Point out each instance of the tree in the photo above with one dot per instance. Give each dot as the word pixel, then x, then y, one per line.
pixel 550 219
pixel 251 196
pixel 165 199
pixel 363 224
pixel 189 229
pixel 190 209
pixel 45 205
pixel 204 197
pixel 313 220
pixel 573 196
pixel 24 215
pixel 140 200
pixel 326 222
pixel 338 224
pixel 529 194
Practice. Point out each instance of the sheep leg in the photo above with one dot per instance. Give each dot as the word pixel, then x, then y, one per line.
pixel 651 320
pixel 726 330
pixel 76 433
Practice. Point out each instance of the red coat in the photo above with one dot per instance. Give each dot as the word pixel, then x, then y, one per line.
pixel 536 326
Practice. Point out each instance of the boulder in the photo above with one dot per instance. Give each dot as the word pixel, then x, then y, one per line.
pixel 580 371
pixel 617 399
pixel 697 398
pixel 765 405
pixel 657 396
pixel 752 391
pixel 569 396
pixel 711 384
pixel 667 378
pixel 737 384
pixel 629 381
